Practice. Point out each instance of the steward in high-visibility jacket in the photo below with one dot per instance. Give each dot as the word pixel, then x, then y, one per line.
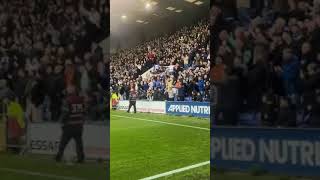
pixel 16 124
pixel 114 100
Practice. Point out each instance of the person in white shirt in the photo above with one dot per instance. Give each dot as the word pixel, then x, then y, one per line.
pixel 171 69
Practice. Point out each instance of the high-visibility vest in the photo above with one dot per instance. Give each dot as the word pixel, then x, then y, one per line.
pixel 15 111
pixel 114 96
pixel 114 99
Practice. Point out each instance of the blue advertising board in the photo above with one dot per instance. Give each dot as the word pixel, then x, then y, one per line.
pixel 185 108
pixel 283 151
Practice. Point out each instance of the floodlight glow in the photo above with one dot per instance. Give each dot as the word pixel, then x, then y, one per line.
pixel 170 8
pixel 148 6
pixel 123 17
pixel 198 3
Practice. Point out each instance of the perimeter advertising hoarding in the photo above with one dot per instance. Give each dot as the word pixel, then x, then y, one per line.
pixel 283 151
pixel 144 106
pixel 44 138
pixel 185 108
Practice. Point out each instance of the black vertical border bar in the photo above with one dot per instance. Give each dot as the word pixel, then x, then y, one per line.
pixel 107 91
pixel 212 92
pixel 215 28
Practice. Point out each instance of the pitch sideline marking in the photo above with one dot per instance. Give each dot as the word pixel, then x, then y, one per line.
pixel 161 122
pixel 30 173
pixel 176 171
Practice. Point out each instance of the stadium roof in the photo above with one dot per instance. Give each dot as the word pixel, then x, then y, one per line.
pixel 140 20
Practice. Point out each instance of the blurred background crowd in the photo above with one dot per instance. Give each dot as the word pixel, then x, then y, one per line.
pixel 266 62
pixel 174 67
pixel 46 46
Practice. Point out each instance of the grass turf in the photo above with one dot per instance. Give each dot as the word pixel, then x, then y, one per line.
pixel 46 165
pixel 201 173
pixel 142 149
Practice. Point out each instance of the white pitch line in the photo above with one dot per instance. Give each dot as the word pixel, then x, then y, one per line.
pixel 30 173
pixel 176 171
pixel 161 122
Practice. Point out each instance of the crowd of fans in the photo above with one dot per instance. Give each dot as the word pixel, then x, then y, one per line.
pixel 267 65
pixel 174 67
pixel 46 46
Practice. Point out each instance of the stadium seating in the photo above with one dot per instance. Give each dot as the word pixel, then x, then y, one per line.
pixel 174 67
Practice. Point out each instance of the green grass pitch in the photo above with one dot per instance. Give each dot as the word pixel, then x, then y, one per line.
pixel 144 145
pixel 36 167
